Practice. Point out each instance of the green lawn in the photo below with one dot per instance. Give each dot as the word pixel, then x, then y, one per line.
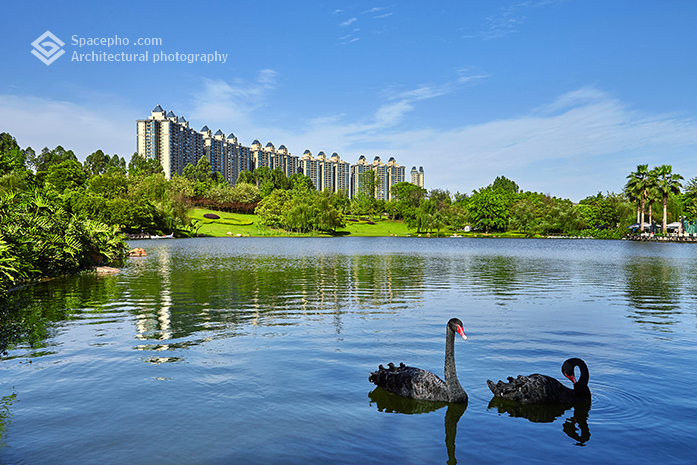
pixel 229 223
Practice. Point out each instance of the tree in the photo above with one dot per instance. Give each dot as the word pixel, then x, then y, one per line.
pixel 407 198
pixel 667 183
pixel 488 208
pixel 109 185
pixel 7 142
pixel 66 175
pixel 12 158
pixel 48 158
pixel 502 182
pixel 273 208
pixel 246 177
pixel 116 165
pixel 369 184
pixel 604 211
pixel 300 182
pixel 96 163
pixel 327 217
pixel 689 199
pixel 140 166
pixel 204 171
pixel 246 193
pixel 636 189
pixel 523 217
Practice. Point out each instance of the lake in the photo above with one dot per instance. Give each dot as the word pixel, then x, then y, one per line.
pixel 258 350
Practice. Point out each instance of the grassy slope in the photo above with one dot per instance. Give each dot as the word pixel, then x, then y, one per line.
pixel 380 228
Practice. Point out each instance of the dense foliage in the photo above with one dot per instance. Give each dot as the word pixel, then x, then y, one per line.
pixel 39 235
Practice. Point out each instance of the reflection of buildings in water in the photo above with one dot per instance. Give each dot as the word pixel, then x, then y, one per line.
pixel 258 289
pixel 392 403
pixel 576 426
pixel 159 328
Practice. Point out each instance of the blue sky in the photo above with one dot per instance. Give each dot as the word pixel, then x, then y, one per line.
pixel 565 97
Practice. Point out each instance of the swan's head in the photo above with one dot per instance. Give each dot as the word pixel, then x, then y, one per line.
pixel 567 369
pixel 456 326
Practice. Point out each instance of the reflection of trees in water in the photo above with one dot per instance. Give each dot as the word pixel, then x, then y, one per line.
pixel 509 278
pixel 498 274
pixel 652 287
pixel 32 314
pixel 174 296
pixel 5 414
pixel 391 403
pixel 576 426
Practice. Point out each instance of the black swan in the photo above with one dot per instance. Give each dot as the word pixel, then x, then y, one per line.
pixel 541 389
pixel 421 384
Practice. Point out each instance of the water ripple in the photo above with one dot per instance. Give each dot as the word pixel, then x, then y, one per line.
pixel 612 405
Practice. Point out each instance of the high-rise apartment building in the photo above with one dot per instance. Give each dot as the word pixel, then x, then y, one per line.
pixel 394 173
pixel 238 159
pixel 169 139
pixel 388 174
pixel 417 177
pixel 326 173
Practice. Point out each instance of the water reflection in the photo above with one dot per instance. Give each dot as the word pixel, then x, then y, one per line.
pixel 653 290
pixel 5 414
pixel 189 294
pixel 576 426
pixel 191 291
pixel 391 403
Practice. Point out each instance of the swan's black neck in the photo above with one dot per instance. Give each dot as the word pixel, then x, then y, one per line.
pixel 455 391
pixel 581 386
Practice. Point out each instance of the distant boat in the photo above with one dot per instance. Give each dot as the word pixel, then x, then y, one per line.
pixel 163 237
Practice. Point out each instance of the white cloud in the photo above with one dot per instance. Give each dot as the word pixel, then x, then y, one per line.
pixel 594 137
pixel 232 104
pixel 36 122
pixel 376 9
pixel 581 142
pixel 507 20
pixel 348 22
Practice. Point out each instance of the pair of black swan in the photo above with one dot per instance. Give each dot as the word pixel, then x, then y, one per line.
pixel 534 389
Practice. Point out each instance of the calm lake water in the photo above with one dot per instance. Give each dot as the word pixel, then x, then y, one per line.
pixel 257 350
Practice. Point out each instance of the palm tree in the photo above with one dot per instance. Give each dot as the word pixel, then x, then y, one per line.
pixel 636 189
pixel 652 193
pixel 667 183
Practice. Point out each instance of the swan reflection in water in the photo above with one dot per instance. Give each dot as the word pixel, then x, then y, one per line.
pixel 391 403
pixel 576 426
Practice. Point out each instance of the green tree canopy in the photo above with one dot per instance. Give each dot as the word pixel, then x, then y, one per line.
pixel 96 163
pixel 503 183
pixel 66 175
pixel 488 209
pixel 139 166
pixel 48 158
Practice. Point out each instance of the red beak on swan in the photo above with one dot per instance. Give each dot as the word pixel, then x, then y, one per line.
pixel 461 332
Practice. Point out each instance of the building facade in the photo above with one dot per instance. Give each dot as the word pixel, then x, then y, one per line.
pixel 388 174
pixel 417 177
pixel 169 139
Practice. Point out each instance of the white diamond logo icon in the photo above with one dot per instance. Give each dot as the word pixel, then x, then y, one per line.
pixel 47 48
